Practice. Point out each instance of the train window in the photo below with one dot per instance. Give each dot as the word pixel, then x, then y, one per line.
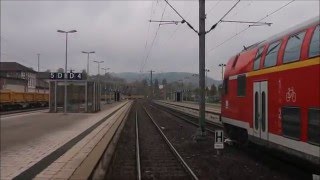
pixel 272 54
pixel 263 111
pixel 314 49
pixel 256 62
pixel 293 48
pixel 314 126
pixel 235 61
pixel 225 86
pixel 241 79
pixel 291 122
pixel 256 110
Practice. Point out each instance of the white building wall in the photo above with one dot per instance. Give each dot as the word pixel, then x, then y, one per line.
pixel 13 87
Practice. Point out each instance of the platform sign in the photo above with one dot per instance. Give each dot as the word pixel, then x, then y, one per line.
pixel 218 139
pixel 71 76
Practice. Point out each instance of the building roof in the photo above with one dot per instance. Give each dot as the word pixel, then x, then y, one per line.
pixel 14 66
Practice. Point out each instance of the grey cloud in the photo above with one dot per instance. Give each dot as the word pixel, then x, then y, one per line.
pixel 118 30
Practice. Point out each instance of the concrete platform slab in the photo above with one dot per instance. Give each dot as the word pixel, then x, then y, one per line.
pixel 25 140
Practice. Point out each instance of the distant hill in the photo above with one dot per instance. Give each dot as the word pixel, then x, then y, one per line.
pixel 169 76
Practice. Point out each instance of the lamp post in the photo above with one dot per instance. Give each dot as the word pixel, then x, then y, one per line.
pixel 65 68
pixel 222 65
pixel 37 77
pixel 99 84
pixel 98 62
pixel 105 84
pixel 88 53
pixel 181 90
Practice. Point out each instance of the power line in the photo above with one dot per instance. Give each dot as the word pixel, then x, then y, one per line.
pixel 249 4
pixel 145 61
pixel 220 20
pixel 230 10
pixel 183 20
pixel 213 7
pixel 268 15
pixel 146 44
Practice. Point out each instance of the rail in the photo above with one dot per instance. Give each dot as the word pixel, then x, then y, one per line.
pixel 174 151
pixel 138 149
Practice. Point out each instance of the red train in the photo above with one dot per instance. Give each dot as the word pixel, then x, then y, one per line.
pixel 271 93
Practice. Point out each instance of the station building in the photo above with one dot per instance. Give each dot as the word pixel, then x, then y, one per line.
pixel 18 78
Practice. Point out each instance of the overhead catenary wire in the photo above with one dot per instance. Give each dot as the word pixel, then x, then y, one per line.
pixel 148 54
pixel 183 19
pixel 146 44
pixel 213 7
pixel 220 20
pixel 268 15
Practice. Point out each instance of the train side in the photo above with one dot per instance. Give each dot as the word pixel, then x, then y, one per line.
pixel 272 94
pixel 10 100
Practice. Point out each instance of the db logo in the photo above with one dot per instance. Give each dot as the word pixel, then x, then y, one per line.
pixel 291 95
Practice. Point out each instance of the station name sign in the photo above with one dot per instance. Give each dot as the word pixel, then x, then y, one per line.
pixel 70 76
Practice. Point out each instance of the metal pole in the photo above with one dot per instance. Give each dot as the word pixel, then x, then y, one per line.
pixel 151 84
pixel 38 70
pixel 38 63
pixel 66 76
pixel 88 66
pixel 151 94
pixel 202 105
pixel 206 85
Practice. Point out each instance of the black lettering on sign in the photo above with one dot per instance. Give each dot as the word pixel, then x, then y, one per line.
pixel 218 136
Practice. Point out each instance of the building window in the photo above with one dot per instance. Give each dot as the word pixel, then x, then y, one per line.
pixel 293 47
pixel 291 122
pixel 272 54
pixel 256 62
pixel 314 49
pixel 241 79
pixel 314 126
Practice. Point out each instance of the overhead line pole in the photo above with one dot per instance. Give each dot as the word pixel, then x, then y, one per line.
pixel 201 133
pixel 202 66
pixel 151 85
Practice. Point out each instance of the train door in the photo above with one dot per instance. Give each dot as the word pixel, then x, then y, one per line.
pixel 260 109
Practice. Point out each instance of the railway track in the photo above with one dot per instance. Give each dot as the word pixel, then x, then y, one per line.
pixel 210 126
pixel 155 156
pixel 270 159
pixel 22 110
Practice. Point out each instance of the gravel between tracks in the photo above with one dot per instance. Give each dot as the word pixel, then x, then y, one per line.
pixel 157 160
pixel 232 164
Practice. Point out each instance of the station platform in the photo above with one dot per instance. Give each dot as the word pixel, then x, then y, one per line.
pixel 42 145
pixel 212 113
pixel 216 108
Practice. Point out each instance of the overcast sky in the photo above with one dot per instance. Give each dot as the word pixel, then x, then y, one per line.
pixel 122 37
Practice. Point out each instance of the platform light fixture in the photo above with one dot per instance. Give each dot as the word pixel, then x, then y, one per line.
pixel 88 53
pixel 65 69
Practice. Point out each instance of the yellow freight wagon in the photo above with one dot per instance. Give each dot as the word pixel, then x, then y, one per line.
pixel 10 100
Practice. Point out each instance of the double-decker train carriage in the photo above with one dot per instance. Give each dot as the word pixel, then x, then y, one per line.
pixel 271 93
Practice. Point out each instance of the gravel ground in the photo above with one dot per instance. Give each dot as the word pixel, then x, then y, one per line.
pixel 234 163
pixel 157 160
